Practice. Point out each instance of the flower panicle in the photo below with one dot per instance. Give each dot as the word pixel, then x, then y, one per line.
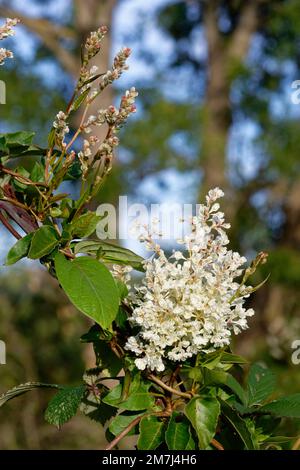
pixel 187 302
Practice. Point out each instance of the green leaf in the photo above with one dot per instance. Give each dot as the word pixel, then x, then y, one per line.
pixel 288 407
pixel 238 424
pixel 77 103
pixel 85 225
pixel 18 183
pixel 212 360
pixel 178 432
pixel 261 383
pixel 229 358
pixel 137 399
pixel 74 171
pixel 191 445
pixel 44 240
pixel 120 422
pixel 110 253
pixel 19 250
pixel 64 405
pixel 151 433
pixel 222 378
pixel 113 397
pixel 51 137
pixel 20 138
pixel 37 173
pixel 90 287
pixel 203 413
pixel 122 288
pixel 23 388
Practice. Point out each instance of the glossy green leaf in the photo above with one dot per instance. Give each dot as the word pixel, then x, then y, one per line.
pixel 178 432
pixel 203 413
pixel 113 397
pixel 151 433
pixel 90 287
pixel 138 397
pixel 120 422
pixel 19 250
pixel 44 240
pixel 64 405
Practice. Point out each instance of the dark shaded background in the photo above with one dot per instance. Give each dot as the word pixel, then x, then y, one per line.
pixel 215 108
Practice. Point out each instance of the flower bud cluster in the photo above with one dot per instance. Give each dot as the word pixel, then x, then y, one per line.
pixel 60 126
pixel 119 65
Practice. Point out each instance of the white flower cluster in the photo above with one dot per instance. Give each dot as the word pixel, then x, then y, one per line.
pixel 5 31
pixel 190 302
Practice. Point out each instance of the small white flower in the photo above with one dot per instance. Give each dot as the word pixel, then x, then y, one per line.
pixel 93 70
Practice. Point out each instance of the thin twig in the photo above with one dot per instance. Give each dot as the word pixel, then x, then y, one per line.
pixel 174 375
pixel 296 445
pixel 168 388
pixel 68 254
pixel 124 433
pixel 21 177
pixel 216 444
pixel 79 130
pixel 15 202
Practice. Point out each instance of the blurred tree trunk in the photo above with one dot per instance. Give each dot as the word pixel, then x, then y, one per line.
pixel 216 109
pixel 88 16
pixel 223 57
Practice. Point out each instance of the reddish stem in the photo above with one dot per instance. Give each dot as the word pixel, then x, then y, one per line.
pixel 9 227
